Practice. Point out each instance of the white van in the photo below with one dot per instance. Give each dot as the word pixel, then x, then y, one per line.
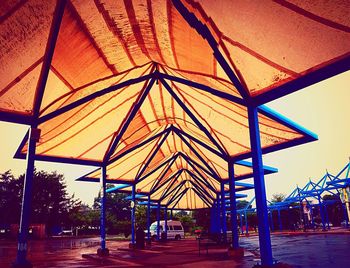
pixel 175 229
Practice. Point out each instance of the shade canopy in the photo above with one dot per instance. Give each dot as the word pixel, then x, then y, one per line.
pixel 179 182
pixel 160 87
pixel 242 48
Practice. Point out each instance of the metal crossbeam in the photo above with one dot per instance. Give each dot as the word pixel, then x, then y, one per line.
pixel 192 116
pixel 204 31
pixel 155 151
pixel 129 118
pixel 205 88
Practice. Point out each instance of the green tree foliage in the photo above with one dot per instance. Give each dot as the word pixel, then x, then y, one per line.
pixel 51 204
pixel 83 217
pixel 10 198
pixel 187 221
pixel 118 212
pixel 202 219
pixel 141 216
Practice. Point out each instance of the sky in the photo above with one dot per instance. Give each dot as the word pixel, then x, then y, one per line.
pixel 322 108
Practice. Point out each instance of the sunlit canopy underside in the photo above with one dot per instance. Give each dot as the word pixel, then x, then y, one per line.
pixel 179 184
pixel 140 82
pixel 266 44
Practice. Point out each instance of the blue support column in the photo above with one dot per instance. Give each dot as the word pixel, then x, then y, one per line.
pixel 260 191
pixel 321 213
pixel 158 221
pixel 291 225
pixel 271 218
pixel 223 213
pixel 233 206
pixel 241 222
pixel 327 218
pixel 246 222
pixel 312 217
pixel 103 251
pixel 213 219
pixel 149 218
pixel 279 219
pixel 133 207
pixel 217 216
pixel 211 228
pixel 166 223
pixel 218 213
pixel 343 205
pixel 21 260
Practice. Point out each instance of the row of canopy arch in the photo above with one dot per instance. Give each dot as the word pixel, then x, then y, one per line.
pixel 160 88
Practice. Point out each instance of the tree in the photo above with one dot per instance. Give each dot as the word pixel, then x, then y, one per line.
pixel 141 216
pixel 201 217
pixel 186 220
pixel 10 198
pixel 50 201
pixel 241 204
pixel 278 197
pixel 118 212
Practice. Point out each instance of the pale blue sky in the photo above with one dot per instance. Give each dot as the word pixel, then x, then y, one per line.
pixel 322 108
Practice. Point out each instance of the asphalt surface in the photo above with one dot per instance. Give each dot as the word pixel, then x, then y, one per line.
pixel 298 250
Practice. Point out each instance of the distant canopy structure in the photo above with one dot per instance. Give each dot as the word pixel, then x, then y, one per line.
pixel 178 182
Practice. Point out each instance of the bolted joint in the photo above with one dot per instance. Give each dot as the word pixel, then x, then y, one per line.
pixel 35 134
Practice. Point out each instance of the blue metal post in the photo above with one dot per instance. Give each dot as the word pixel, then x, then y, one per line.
pixel 26 201
pixel 223 212
pixel 133 214
pixel 343 205
pixel 218 213
pixel 148 218
pixel 103 250
pixel 241 222
pixel 213 219
pixel 217 216
pixel 158 221
pixel 327 218
pixel 279 219
pixel 103 208
pixel 260 191
pixel 312 217
pixel 211 229
pixel 321 213
pixel 271 217
pixel 246 222
pixel 233 206
pixel 166 223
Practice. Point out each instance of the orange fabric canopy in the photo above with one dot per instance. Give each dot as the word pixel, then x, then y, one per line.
pixel 174 76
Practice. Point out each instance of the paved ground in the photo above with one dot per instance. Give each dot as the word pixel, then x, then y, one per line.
pixel 310 250
pixel 68 253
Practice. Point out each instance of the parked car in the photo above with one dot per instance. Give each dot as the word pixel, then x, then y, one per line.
pixel 68 232
pixel 175 229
